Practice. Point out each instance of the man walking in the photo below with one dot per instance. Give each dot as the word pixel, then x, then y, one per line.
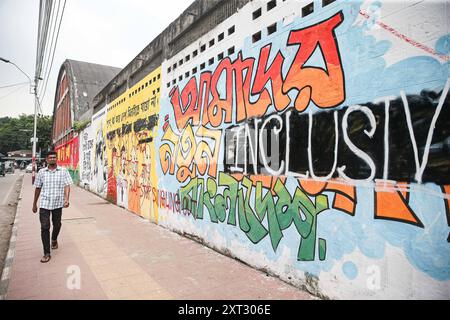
pixel 53 185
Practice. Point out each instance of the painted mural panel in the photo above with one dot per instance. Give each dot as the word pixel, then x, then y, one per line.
pixel 86 141
pixel 93 161
pixel 315 144
pixel 131 127
pixel 68 154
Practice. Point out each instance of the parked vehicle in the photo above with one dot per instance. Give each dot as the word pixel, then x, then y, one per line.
pixel 9 167
pixel 2 169
pixel 29 168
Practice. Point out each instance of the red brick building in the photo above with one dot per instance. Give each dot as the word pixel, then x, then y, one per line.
pixel 78 83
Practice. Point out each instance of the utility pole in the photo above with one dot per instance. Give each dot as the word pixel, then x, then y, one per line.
pixel 33 157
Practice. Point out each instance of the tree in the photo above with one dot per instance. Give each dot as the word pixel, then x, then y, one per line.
pixel 16 133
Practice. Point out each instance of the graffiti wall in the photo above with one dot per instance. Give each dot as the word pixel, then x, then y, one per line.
pixel 307 139
pixel 68 154
pixel 131 127
pixel 86 144
pixel 311 141
pixel 93 160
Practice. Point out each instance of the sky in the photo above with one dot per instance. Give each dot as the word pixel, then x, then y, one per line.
pixel 109 32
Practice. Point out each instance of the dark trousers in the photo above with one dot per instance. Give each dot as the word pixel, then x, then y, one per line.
pixel 44 217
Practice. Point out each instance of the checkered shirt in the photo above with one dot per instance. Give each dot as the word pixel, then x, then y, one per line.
pixel 52 183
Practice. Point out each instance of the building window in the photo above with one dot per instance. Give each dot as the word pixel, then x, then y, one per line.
pixel 180 78
pixel 256 14
pixel 231 30
pixel 220 56
pixel 146 84
pixel 186 75
pixel 169 69
pixel 221 36
pixel 174 66
pixel 256 37
pixel 194 70
pixel 195 53
pixel 157 90
pixel 187 58
pixel 326 2
pixel 211 42
pixel 203 48
pixel 202 66
pixel 159 76
pixel 272 28
pixel 154 92
pixel 174 81
pixel 308 9
pixel 154 79
pixel 231 50
pixel 168 84
pixel 271 4
pixel 211 61
pixel 180 62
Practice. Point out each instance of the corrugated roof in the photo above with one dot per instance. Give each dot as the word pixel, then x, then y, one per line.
pixel 86 80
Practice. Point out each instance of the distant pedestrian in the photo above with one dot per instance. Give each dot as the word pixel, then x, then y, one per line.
pixel 53 185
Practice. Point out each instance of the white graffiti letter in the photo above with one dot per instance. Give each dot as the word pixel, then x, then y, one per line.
pixel 358 152
pixel 420 168
pixel 276 131
pixel 336 135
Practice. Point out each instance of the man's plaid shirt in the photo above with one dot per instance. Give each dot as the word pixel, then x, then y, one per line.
pixel 52 183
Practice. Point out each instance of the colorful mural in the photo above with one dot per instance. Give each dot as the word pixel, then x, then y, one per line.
pixel 329 115
pixel 131 127
pixel 316 146
pixel 68 154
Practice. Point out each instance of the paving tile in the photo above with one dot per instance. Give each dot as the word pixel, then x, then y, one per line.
pixel 121 256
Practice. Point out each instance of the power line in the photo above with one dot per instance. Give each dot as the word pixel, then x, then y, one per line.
pixel 11 92
pixel 54 50
pixel 52 22
pixel 44 19
pixel 13 85
pixel 39 107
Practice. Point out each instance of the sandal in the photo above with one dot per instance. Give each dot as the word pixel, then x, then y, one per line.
pixel 54 244
pixel 45 258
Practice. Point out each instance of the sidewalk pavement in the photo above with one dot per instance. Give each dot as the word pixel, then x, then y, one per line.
pixel 119 255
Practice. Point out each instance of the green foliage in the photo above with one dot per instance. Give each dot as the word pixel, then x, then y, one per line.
pixel 16 133
pixel 80 125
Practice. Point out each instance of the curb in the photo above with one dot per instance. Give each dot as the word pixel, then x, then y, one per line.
pixel 6 273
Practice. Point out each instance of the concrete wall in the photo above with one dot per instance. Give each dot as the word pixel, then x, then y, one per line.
pixel 311 142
